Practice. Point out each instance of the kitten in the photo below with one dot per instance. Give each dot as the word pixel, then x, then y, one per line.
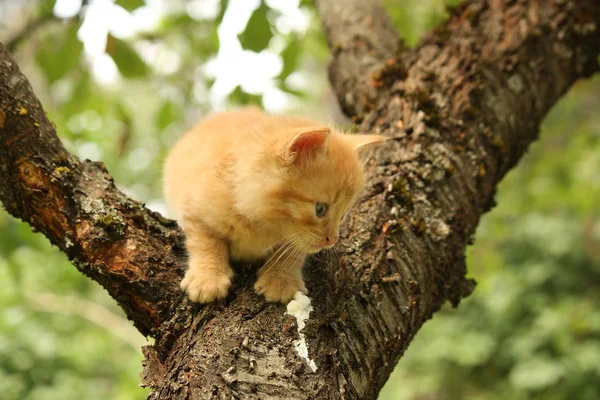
pixel 247 185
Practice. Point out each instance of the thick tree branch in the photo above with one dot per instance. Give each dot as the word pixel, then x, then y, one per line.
pixel 463 108
pixel 361 37
pixel 134 253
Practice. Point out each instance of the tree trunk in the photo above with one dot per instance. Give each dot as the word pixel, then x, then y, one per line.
pixel 462 109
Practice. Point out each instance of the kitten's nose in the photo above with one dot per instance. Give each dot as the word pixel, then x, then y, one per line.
pixel 331 240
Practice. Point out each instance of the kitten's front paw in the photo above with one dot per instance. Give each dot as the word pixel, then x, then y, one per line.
pixel 204 285
pixel 279 288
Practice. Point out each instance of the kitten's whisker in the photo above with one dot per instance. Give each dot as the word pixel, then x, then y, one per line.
pixel 261 226
pixel 314 235
pixel 279 252
pixel 287 238
pixel 310 243
pixel 297 251
pixel 337 255
pixel 284 249
pixel 284 263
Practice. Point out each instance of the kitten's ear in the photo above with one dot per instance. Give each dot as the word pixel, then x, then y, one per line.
pixel 306 142
pixel 360 142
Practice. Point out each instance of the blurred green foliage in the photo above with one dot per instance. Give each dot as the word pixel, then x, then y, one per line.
pixel 530 330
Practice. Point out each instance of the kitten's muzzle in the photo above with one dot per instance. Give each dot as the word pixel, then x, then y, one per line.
pixel 330 241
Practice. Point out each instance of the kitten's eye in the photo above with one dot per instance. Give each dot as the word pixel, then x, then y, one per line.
pixel 320 209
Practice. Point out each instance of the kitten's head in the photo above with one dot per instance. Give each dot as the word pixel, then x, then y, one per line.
pixel 314 177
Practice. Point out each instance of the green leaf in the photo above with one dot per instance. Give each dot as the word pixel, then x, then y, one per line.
pixel 206 42
pixel 283 86
pixel 224 5
pixel 128 61
pixel 82 92
pixel 289 56
pixel 130 5
pixel 47 6
pixel 258 32
pixel 167 113
pixel 175 22
pixel 60 53
pixel 239 97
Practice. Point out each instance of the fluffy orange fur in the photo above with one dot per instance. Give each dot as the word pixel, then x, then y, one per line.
pixel 245 185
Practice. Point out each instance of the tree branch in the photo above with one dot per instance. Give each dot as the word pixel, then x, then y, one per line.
pixel 361 37
pixel 463 108
pixel 134 253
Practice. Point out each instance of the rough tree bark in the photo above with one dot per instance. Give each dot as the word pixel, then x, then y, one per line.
pixel 463 107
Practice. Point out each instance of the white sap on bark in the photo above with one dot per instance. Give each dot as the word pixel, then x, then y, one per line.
pixel 300 308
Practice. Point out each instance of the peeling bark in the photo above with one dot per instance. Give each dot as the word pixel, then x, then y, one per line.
pixel 462 107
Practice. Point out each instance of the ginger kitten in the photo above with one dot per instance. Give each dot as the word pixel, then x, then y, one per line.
pixel 247 185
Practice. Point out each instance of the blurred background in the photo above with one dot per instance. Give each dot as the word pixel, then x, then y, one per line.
pixel 123 79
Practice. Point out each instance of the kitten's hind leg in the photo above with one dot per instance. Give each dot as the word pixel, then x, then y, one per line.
pixel 209 274
pixel 281 277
